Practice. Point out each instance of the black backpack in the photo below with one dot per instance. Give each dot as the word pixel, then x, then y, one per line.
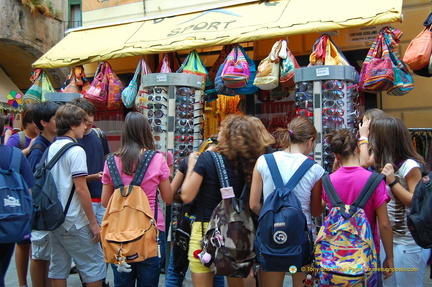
pixel 49 212
pixel 419 220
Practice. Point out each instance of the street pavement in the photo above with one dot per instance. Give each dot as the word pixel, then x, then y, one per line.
pixel 74 281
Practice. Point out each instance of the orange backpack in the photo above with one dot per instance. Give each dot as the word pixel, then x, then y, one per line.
pixel 129 232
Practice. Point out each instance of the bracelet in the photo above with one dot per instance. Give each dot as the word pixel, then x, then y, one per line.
pixel 393 183
pixel 363 142
pixel 363 138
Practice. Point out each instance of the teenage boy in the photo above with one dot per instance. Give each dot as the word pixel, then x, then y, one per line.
pixel 6 249
pixel 78 237
pixel 96 148
pixel 44 118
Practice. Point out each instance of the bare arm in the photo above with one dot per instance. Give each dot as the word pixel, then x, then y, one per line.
pixel 412 178
pixel 7 135
pixel 256 192
pixel 192 181
pixel 366 158
pixel 386 237
pixel 176 184
pixel 84 197
pixel 107 191
pixel 317 205
pixel 166 191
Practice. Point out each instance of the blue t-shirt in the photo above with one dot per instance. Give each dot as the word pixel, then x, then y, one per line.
pixel 36 154
pixel 95 151
pixel 15 141
pixel 25 170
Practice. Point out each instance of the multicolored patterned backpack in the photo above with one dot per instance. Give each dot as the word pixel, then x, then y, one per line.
pixel 344 249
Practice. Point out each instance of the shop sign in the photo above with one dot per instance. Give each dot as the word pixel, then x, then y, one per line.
pixel 363 34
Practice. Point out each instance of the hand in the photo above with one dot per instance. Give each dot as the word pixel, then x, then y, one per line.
pixel 98 176
pixel 388 263
pixel 95 228
pixel 364 128
pixel 388 171
pixel 193 157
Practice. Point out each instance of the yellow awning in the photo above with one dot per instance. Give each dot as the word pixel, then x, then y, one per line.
pixel 236 24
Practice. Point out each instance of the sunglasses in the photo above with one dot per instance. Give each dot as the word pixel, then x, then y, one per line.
pixel 333 103
pixel 186 91
pixel 333 112
pixel 185 115
pixel 333 95
pixel 183 138
pixel 184 131
pixel 303 113
pixel 187 100
pixel 157 98
pixel 304 105
pixel 157 122
pixel 156 106
pixel 185 122
pixel 302 96
pixel 189 147
pixel 156 114
pixel 157 90
pixel 185 107
pixel 333 85
pixel 181 153
pixel 158 129
pixel 304 86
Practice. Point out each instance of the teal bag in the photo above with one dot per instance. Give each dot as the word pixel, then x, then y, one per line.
pixel 130 92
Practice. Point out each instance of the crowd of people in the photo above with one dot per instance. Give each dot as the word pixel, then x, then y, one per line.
pixel 383 144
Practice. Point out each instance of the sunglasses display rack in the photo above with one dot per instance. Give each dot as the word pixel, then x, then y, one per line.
pixel 327 96
pixel 174 109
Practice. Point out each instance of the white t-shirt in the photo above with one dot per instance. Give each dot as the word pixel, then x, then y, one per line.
pixel 397 211
pixel 288 163
pixel 72 164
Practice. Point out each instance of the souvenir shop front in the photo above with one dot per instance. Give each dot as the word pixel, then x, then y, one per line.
pixel 185 108
pixel 10 99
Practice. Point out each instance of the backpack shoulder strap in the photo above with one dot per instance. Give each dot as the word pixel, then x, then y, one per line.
pixel 37 146
pixel 300 172
pixel 274 170
pixel 142 168
pixel 331 192
pixel 15 163
pixel 369 188
pixel 58 155
pixel 22 140
pixel 114 172
pixel 221 170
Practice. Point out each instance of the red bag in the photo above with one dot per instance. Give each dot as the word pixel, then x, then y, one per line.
pixel 377 74
pixel 418 53
pixel 115 88
pixel 98 90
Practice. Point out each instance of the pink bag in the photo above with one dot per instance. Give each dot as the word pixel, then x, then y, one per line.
pixel 98 90
pixel 236 71
pixel 115 88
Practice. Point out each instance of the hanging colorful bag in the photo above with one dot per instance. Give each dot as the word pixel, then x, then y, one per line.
pixel 141 98
pixel 130 92
pixel 45 85
pixel 98 90
pixel 34 93
pixel 267 77
pixel 220 86
pixel 377 73
pixel 236 71
pixel 319 49
pixel 115 88
pixel 403 82
pixel 419 50
pixel 287 67
pixel 164 65
pixel 250 88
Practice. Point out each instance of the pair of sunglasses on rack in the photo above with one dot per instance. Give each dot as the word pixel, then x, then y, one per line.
pixel 155 114
pixel 157 90
pixel 156 98
pixel 186 91
pixel 183 138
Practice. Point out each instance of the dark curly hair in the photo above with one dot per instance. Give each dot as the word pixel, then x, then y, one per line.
pixel 241 142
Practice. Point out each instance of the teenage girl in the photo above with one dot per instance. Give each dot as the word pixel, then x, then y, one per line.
pixel 298 140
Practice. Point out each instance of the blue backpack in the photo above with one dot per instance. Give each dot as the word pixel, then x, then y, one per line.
pixel 283 238
pixel 16 207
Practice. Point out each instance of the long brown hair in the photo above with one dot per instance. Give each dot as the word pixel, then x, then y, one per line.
pixel 136 137
pixel 391 143
pixel 298 131
pixel 241 144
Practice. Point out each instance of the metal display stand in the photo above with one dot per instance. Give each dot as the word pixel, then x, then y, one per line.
pixel 327 96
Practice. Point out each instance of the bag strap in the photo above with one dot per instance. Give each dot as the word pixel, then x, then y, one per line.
pixel 37 146
pixel 361 200
pixel 58 155
pixel 15 163
pixel 220 168
pixel 22 140
pixel 294 180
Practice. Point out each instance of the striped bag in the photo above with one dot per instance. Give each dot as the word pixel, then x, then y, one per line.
pixel 236 71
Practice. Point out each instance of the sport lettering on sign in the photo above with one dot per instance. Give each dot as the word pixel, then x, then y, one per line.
pixel 216 26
